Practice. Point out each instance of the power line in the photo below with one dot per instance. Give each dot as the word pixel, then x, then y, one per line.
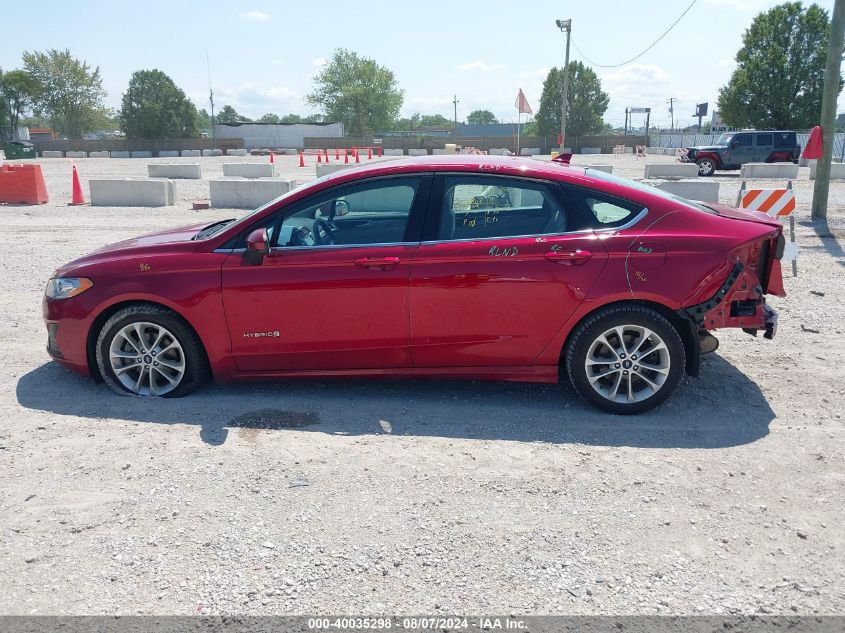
pixel 653 44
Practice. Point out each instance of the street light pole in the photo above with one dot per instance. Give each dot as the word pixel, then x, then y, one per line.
pixel 828 114
pixel 564 25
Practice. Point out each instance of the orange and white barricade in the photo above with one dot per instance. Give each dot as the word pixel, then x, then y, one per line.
pixel 618 150
pixel 640 152
pixel 682 154
pixel 778 203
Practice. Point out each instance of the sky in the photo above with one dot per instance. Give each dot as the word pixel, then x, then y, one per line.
pixel 264 54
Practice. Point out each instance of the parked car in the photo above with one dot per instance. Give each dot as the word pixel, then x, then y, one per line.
pixel 15 150
pixel 444 266
pixel 734 149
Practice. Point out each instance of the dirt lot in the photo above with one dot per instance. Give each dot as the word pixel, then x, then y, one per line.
pixel 418 497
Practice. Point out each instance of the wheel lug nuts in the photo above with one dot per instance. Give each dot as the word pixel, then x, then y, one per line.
pixel 624 373
pixel 155 364
pixel 636 367
pixel 617 365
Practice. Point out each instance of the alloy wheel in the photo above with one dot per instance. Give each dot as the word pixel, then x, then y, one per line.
pixel 627 363
pixel 147 359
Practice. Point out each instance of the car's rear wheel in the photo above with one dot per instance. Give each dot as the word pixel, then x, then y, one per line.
pixel 706 166
pixel 625 359
pixel 147 350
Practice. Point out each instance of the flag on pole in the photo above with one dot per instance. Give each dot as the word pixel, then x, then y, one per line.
pixel 521 104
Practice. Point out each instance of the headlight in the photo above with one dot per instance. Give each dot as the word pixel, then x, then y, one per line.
pixel 66 287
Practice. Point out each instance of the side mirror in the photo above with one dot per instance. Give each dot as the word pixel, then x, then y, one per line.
pixel 341 207
pixel 257 246
pixel 735 143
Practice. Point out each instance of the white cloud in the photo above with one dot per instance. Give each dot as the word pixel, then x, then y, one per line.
pixel 540 72
pixel 255 16
pixel 253 100
pixel 278 63
pixel 638 74
pixel 726 62
pixel 480 65
pixel 320 61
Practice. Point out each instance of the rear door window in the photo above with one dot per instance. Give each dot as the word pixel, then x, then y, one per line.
pixel 764 140
pixel 484 207
pixel 604 211
pixel 743 140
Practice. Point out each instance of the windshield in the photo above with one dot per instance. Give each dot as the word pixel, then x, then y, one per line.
pixel 213 229
pixel 654 191
pixel 724 139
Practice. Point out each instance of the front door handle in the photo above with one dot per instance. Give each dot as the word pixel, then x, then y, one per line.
pixel 568 258
pixel 377 263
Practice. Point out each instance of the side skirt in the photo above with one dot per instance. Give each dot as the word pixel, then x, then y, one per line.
pixel 542 374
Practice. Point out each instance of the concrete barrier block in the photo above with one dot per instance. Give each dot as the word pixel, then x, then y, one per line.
pixel 141 154
pixel 120 154
pixel 235 152
pixel 249 170
pixel 73 154
pixel 837 171
pixel 769 170
pixel 128 192
pixel 168 153
pixel 498 151
pixel 191 153
pixel 324 169
pixel 673 170
pixel 529 151
pixel 608 169
pixel 2 155
pixel 591 150
pixel 417 152
pixel 703 190
pixel 242 193
pixel 439 152
pixel 190 171
pixel 51 154
pixel 212 152
pixel 99 154
pixel 393 152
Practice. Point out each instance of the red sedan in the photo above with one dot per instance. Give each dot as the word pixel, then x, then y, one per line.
pixel 447 266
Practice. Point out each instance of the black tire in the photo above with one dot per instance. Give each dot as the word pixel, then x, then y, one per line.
pixel 196 370
pixel 588 333
pixel 706 166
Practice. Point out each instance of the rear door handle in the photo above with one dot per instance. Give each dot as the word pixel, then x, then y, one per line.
pixel 568 258
pixel 377 263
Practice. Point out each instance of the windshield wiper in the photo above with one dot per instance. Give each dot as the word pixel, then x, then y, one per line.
pixel 211 229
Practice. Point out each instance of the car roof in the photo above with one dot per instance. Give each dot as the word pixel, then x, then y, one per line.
pixel 481 164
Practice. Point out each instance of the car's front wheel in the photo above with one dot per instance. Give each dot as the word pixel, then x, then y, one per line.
pixel 625 359
pixel 147 350
pixel 706 166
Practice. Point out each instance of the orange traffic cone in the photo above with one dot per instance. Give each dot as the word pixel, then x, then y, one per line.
pixel 357 157
pixel 379 151
pixel 345 155
pixel 369 153
pixel 272 160
pixel 301 159
pixel 336 154
pixel 327 155
pixel 78 197
pixel 319 157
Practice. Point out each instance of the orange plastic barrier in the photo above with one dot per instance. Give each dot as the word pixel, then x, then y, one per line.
pixel 22 184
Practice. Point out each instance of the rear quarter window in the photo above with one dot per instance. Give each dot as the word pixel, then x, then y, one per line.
pixel 785 139
pixel 764 140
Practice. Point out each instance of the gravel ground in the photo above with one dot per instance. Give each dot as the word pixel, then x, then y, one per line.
pixel 414 496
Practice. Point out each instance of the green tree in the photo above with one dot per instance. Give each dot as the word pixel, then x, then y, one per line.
pixel 435 120
pixel 156 108
pixel 779 78
pixel 481 117
pixel 358 92
pixel 270 118
pixel 203 120
pixel 18 91
pixel 587 102
pixel 70 92
pixel 228 114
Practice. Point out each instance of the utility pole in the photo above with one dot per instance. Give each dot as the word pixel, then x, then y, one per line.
pixel 564 25
pixel 828 114
pixel 455 103
pixel 671 101
pixel 210 92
